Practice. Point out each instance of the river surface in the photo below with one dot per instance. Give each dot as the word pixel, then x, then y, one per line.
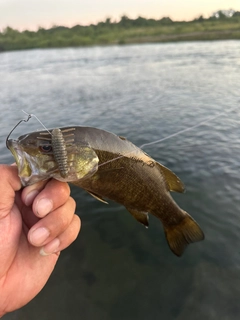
pixel 117 269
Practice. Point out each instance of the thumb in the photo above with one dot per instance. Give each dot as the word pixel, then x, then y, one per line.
pixel 9 184
pixel 10 224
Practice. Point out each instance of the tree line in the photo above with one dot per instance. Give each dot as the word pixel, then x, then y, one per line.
pixel 220 25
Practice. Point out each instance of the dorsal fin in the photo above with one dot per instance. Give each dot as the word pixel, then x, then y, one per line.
pixel 122 138
pixel 174 183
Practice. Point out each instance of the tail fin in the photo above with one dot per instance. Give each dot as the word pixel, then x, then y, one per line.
pixel 182 234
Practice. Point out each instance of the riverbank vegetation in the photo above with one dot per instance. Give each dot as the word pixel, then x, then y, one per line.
pixel 218 27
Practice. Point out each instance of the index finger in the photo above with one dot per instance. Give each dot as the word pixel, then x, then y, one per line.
pixel 46 196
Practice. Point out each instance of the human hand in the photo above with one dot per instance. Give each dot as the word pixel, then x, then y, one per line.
pixel 36 223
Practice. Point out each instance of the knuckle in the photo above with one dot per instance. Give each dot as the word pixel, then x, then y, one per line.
pixel 62 190
pixel 76 227
pixel 77 224
pixel 64 220
pixel 77 221
pixel 72 203
pixel 65 217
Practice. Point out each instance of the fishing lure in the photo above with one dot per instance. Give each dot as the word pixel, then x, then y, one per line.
pixel 58 143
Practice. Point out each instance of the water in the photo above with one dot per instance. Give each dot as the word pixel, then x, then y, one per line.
pixel 117 269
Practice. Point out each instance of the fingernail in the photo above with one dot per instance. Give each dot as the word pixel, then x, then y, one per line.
pixel 38 236
pixel 50 247
pixel 44 206
pixel 30 197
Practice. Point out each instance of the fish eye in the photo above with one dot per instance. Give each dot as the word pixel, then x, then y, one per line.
pixel 46 148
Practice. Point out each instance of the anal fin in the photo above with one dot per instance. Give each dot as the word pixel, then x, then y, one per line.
pixel 140 216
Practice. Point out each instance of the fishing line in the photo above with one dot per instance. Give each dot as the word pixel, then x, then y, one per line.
pixel 143 145
pixel 186 129
pixel 235 121
pixel 173 135
pixel 33 115
pixel 23 120
pixel 30 115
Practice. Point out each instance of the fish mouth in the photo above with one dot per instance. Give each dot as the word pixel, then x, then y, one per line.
pixel 28 169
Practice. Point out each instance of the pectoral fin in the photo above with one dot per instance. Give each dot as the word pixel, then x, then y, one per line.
pixel 174 183
pixel 140 216
pixel 94 195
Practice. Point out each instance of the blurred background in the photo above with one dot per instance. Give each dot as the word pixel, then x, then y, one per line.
pixel 117 269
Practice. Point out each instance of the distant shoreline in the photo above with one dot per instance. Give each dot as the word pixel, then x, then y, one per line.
pixel 192 36
pixel 126 31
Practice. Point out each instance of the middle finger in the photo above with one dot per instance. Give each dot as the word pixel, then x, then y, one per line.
pixel 52 225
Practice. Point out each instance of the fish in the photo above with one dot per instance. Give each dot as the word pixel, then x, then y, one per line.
pixel 111 167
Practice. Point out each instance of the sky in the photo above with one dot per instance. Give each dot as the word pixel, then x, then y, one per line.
pixel 32 14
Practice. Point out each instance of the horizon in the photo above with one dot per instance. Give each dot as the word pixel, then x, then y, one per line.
pixel 29 15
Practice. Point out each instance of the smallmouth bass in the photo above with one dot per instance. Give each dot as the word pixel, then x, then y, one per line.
pixel 108 167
